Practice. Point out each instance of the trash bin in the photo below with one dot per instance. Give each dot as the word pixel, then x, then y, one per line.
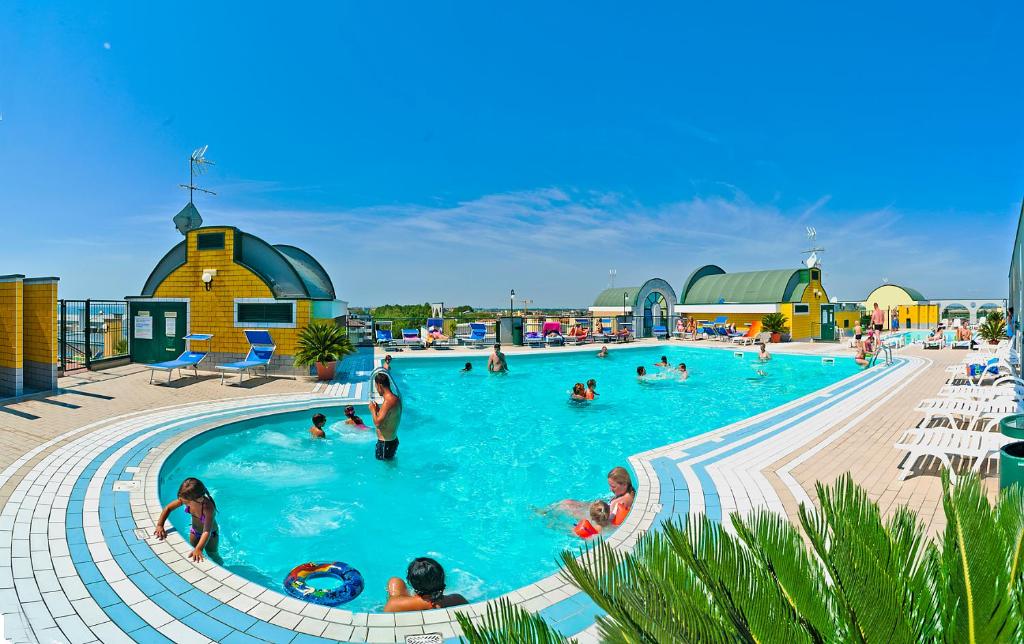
pixel 510 330
pixel 1011 456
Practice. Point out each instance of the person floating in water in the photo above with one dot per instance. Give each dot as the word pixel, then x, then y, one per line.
pixel 641 372
pixel 603 353
pixel 426 578
pixel 579 394
pixel 600 519
pixel 468 367
pixel 203 535
pixel 681 372
pixel 663 363
pixel 317 430
pixel 352 419
pixel 623 494
pixel 386 417
pixel 591 389
pixel 497 363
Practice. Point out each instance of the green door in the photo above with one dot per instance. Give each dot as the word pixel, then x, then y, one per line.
pixel 157 330
pixel 828 322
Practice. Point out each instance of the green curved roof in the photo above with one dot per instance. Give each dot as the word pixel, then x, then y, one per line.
pixel 318 282
pixel 753 287
pixel 289 272
pixel 613 296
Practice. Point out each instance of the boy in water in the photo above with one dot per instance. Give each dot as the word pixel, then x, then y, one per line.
pixel 317 430
pixel 591 389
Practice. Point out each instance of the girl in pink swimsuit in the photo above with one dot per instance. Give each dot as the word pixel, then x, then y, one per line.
pixel 202 535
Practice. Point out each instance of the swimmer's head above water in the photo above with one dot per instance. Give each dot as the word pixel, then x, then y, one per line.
pixel 640 371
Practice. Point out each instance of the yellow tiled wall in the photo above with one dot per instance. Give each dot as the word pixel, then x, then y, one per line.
pixel 11 311
pixel 213 311
pixel 923 315
pixel 40 311
pixel 847 319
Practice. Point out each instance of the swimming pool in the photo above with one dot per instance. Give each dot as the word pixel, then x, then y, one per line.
pixel 912 336
pixel 480 455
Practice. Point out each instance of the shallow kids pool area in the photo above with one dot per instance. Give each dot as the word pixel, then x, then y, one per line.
pixel 482 457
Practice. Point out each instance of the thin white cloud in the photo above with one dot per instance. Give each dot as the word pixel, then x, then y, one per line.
pixel 556 246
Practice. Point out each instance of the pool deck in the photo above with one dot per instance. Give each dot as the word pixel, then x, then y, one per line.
pixel 78 472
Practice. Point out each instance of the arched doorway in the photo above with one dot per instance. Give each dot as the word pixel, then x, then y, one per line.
pixel 656 312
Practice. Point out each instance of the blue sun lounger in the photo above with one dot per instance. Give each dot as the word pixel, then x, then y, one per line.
pixel 187 360
pixel 477 334
pixel 261 350
pixel 660 332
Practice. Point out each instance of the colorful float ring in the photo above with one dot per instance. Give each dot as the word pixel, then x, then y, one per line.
pixel 351 583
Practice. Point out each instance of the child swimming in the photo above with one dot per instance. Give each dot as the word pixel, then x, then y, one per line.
pixel 579 394
pixel 317 430
pixel 199 504
pixel 468 367
pixel 682 373
pixel 591 389
pixel 352 419
pixel 600 519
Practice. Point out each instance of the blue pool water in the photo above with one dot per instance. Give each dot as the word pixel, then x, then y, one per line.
pixel 479 455
pixel 912 336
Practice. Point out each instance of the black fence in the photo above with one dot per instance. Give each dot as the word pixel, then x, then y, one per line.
pixel 90 332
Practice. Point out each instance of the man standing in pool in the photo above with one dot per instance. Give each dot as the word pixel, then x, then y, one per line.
pixel 386 417
pixel 496 363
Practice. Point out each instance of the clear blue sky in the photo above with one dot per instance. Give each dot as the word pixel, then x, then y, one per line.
pixel 434 151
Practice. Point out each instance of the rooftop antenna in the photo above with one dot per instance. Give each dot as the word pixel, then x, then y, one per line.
pixel 611 277
pixel 526 305
pixel 197 163
pixel 813 259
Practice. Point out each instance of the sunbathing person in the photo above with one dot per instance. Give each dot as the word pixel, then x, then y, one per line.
pixel 680 326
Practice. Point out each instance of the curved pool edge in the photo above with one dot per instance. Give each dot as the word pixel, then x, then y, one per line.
pixel 108 479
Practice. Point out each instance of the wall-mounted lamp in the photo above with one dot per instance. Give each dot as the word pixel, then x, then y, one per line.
pixel 208 275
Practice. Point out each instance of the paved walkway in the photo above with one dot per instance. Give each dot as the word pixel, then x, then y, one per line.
pixel 79 468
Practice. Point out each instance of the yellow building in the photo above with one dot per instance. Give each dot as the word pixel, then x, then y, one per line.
pixel 709 292
pixel 28 334
pixel 220 280
pixel 912 308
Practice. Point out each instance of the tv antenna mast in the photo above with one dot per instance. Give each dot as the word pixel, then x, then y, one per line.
pixel 813 258
pixel 526 305
pixel 197 163
pixel 611 277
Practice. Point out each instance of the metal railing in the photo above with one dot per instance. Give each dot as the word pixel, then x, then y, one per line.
pixel 90 332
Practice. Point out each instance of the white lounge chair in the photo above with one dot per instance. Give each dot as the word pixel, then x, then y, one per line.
pixel 967 411
pixel 944 444
pixel 990 392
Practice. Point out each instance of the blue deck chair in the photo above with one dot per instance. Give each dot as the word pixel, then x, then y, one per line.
pixel 261 350
pixel 187 360
pixel 477 334
pixel 660 332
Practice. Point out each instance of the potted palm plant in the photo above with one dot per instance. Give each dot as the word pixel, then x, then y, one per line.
pixel 775 323
pixel 322 344
pixel 994 328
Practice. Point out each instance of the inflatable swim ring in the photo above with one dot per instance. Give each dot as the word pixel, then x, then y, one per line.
pixel 349 588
